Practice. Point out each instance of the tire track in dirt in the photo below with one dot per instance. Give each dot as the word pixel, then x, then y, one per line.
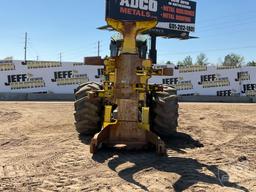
pixel 8 116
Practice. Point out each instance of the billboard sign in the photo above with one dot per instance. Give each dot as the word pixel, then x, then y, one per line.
pixel 172 15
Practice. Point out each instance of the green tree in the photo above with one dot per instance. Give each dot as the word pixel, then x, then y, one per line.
pixel 201 59
pixel 251 63
pixel 233 60
pixel 180 63
pixel 188 61
pixel 168 63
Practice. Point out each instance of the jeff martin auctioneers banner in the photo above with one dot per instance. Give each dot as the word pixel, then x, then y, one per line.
pixel 64 77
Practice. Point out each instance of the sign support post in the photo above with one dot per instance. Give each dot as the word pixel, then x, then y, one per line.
pixel 153 51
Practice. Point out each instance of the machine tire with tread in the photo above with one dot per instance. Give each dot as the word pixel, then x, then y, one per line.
pixel 88 111
pixel 165 112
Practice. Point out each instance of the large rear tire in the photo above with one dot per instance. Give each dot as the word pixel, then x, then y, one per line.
pixel 88 111
pixel 165 112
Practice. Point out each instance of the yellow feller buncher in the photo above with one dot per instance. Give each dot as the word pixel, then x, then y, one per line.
pixel 125 110
pixel 135 113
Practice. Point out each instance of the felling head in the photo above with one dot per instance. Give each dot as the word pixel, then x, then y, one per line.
pixel 130 30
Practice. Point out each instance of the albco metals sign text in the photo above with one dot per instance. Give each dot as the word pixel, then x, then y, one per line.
pixel 172 15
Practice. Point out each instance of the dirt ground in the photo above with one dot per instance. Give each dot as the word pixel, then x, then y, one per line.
pixel 214 151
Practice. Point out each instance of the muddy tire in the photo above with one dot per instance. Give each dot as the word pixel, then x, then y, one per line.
pixel 88 111
pixel 164 112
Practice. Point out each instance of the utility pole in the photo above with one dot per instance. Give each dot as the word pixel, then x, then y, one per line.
pixel 25 47
pixel 98 48
pixel 60 57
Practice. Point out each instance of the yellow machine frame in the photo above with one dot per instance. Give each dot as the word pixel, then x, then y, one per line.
pixel 127 88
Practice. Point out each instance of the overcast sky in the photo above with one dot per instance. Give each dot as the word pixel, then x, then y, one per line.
pixel 69 26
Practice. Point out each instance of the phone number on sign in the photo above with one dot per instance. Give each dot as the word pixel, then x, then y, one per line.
pixel 180 27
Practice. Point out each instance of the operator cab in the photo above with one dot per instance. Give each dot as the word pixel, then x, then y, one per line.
pixel 141 43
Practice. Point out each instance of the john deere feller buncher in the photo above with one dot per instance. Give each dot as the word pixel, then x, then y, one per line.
pixel 125 110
